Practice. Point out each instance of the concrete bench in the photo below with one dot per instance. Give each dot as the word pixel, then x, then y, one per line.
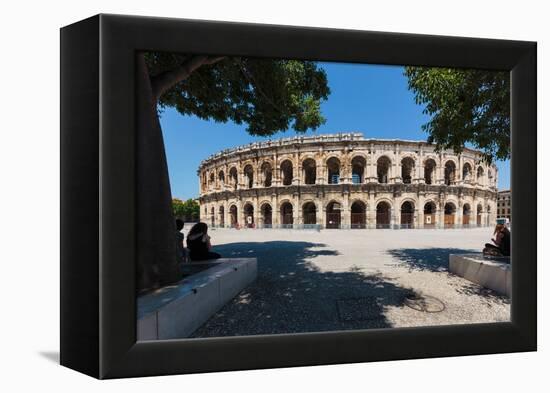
pixel 176 311
pixel 490 272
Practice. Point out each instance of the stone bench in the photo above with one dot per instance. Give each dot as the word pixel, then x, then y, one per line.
pixel 176 311
pixel 490 272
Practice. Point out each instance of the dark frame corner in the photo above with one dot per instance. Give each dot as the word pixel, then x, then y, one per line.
pixel 97 169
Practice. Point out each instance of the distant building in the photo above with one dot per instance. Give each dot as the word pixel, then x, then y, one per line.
pixel 504 204
pixel 346 181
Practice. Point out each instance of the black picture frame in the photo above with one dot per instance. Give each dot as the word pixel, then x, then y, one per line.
pixel 98 301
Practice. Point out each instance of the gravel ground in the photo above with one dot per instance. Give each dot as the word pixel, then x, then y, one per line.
pixel 311 281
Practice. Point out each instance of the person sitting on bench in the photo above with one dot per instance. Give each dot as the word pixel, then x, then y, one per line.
pixel 198 243
pixel 501 240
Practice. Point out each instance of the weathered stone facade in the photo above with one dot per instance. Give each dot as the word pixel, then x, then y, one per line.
pixel 346 181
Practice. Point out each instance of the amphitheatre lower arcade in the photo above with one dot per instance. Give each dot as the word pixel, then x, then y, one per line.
pixel 346 181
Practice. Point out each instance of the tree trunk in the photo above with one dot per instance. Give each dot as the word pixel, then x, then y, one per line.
pixel 157 264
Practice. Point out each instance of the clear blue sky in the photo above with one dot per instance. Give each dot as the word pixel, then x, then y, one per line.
pixel 371 99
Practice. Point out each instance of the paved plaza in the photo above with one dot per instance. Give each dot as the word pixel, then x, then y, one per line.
pixel 311 281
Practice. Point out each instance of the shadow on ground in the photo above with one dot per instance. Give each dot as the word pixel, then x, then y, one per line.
pixel 291 295
pixel 429 259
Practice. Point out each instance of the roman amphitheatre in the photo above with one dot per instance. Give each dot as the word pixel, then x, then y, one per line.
pixel 346 181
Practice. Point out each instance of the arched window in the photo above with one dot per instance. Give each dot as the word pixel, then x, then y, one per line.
pixel 221 178
pixel 333 167
pixel 383 169
pixel 407 214
pixel 212 216
pixel 309 169
pixel 212 180
pixel 266 215
pixel 467 172
pixel 383 215
pixel 233 178
pixel 248 215
pixel 221 213
pixel 450 173
pixel 479 215
pixel 407 169
pixel 466 211
pixel 429 214
pixel 358 165
pixel 249 176
pixel 450 211
pixel 309 213
pixel 358 215
pixel 480 175
pixel 267 174
pixel 233 216
pixel 429 171
pixel 334 215
pixel 287 217
pixel 286 172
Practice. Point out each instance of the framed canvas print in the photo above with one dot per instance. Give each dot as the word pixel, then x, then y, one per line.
pixel 239 196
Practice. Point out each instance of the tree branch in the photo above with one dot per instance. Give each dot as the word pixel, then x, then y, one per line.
pixel 164 81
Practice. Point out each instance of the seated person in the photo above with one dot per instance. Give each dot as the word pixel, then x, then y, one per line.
pixel 501 240
pixel 180 248
pixel 198 243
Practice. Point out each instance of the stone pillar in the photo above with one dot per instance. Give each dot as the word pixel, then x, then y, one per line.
pixel 458 222
pixel 371 212
pixel 321 215
pixel 295 211
pixel 345 212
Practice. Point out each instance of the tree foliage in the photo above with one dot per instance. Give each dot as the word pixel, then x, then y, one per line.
pixel 466 107
pixel 187 211
pixel 265 94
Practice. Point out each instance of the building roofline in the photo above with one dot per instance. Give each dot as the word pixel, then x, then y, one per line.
pixel 336 137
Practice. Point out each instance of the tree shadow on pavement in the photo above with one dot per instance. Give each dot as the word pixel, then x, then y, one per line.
pixel 292 295
pixel 429 259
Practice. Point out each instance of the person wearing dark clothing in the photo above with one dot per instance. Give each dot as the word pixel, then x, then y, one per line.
pixel 198 243
pixel 180 248
pixel 501 240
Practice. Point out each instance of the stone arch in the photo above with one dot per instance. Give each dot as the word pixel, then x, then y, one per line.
pixel 221 214
pixel 266 171
pixel 248 173
pixel 430 214
pixel 450 172
pixel 358 168
pixel 480 175
pixel 479 214
pixel 221 177
pixel 248 210
pixel 212 216
pixel 383 165
pixel 287 170
pixel 234 215
pixel 233 177
pixel 211 180
pixel 309 169
pixel 467 172
pixel 466 213
pixel 430 166
pixel 407 213
pixel 266 214
pixel 383 214
pixel 407 169
pixel 333 211
pixel 309 213
pixel 358 211
pixel 449 214
pixel 333 170
pixel 287 214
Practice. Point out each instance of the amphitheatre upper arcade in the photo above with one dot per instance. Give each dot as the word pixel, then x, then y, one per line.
pixel 346 181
